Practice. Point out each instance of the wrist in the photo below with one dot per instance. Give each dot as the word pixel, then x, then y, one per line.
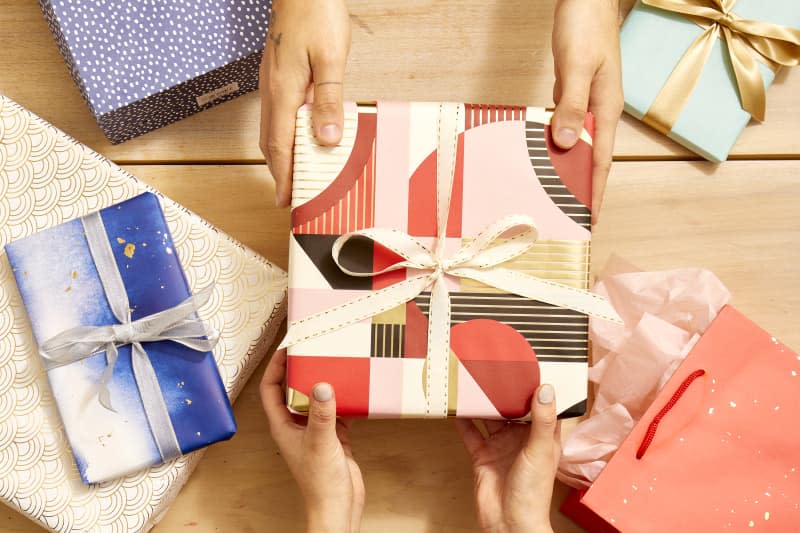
pixel 542 526
pixel 328 518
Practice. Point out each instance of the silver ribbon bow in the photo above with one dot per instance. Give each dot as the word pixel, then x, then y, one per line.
pixel 178 324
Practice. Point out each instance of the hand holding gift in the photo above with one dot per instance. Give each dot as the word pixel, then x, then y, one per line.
pixel 309 65
pixel 587 68
pixel 304 58
pixel 514 467
pixel 318 453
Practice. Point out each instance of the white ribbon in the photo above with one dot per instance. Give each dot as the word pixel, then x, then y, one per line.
pixel 178 324
pixel 480 260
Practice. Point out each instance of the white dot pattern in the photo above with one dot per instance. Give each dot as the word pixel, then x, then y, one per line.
pixel 127 50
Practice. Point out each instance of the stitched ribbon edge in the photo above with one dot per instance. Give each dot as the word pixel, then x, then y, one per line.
pixel 478 260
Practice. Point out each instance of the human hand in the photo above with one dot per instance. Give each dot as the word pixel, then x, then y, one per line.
pixel 317 451
pixel 587 66
pixel 304 60
pixel 514 467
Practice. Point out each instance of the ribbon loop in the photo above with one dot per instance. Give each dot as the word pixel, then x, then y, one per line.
pixel 479 259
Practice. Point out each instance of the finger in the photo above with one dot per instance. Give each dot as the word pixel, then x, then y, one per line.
pixel 473 440
pixel 263 84
pixel 271 389
pixel 321 429
pixel 327 114
pixel 557 90
pixel 280 140
pixel 607 110
pixel 568 117
pixel 543 422
pixel 493 426
pixel 346 421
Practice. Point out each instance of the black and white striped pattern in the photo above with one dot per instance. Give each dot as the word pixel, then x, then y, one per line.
pixel 558 192
pixel 556 334
pixel 388 340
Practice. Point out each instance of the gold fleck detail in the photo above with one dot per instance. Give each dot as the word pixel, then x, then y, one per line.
pixel 130 248
pixel 74 274
pixel 68 289
pixel 188 401
pixel 120 240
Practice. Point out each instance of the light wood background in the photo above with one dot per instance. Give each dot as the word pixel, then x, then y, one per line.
pixel 663 209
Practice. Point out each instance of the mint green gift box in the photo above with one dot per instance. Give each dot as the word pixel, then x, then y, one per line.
pixel 654 40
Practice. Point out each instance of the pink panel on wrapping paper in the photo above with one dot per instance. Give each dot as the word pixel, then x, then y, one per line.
pixel 385 387
pixel 726 457
pixel 306 302
pixel 499 180
pixel 392 165
pixel 471 400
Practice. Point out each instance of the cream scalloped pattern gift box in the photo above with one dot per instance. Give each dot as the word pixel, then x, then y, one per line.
pixel 47 178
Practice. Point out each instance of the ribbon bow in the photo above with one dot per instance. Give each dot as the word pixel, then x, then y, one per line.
pixel 178 324
pixel 748 41
pixel 479 259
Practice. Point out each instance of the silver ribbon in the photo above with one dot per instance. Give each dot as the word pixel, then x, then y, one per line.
pixel 178 324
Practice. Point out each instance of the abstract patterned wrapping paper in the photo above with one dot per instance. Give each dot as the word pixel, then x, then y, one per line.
pixel 383 175
pixel 58 279
pixel 46 178
pixel 143 65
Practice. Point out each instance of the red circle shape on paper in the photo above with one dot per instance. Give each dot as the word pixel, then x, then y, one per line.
pixel 500 361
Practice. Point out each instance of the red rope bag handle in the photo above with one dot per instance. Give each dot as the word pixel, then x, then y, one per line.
pixel 653 427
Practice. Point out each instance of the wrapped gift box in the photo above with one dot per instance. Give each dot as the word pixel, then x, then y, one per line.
pixel 57 274
pixel 384 175
pixel 654 40
pixel 717 450
pixel 46 179
pixel 143 65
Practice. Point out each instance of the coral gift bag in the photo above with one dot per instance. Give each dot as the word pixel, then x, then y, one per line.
pixel 719 449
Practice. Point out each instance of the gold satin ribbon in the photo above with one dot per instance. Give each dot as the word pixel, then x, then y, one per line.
pixel 748 41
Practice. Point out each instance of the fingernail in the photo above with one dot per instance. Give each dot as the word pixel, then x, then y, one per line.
pixel 546 394
pixel 567 136
pixel 329 133
pixel 323 392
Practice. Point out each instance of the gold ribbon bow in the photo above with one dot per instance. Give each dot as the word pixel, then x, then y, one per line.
pixel 748 42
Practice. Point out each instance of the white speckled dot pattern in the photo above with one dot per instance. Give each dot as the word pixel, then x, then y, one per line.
pixel 143 64
pixel 127 50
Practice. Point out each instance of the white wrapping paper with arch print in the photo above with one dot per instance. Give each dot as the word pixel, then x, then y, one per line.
pixel 46 178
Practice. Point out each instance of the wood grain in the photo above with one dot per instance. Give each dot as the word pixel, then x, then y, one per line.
pixel 461 50
pixel 740 220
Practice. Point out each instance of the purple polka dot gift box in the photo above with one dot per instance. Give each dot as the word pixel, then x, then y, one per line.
pixel 143 64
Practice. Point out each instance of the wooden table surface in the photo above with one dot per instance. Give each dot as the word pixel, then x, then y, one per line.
pixel 664 208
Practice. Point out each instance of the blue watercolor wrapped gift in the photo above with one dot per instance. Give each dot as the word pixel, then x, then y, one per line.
pixel 128 359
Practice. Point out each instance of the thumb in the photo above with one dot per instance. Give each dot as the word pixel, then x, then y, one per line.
pixel 321 427
pixel 567 122
pixel 327 112
pixel 544 422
